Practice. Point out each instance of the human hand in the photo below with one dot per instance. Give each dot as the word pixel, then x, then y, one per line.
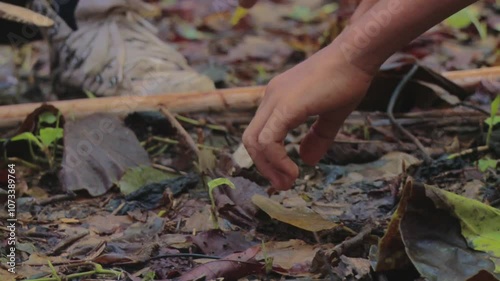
pixel 326 85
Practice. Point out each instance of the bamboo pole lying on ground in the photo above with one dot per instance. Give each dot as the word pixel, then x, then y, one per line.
pixel 471 78
pixel 235 98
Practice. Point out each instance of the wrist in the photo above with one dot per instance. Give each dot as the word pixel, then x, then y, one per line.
pixel 355 54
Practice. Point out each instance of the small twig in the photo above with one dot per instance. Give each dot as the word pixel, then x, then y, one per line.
pixel 115 211
pixel 66 243
pixel 187 137
pixel 65 263
pixel 201 124
pixel 183 255
pixel 24 163
pixel 476 108
pixel 390 109
pixel 168 169
pixel 341 248
pixel 171 141
pixel 56 198
pixel 98 270
pixel 469 151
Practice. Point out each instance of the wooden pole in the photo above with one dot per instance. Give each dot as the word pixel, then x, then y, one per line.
pixel 469 79
pixel 235 98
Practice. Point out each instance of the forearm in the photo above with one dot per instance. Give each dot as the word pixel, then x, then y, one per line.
pixel 388 26
pixel 363 7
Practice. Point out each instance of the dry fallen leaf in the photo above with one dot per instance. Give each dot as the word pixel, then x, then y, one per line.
pixel 98 149
pixel 294 256
pixel 301 217
pixel 23 15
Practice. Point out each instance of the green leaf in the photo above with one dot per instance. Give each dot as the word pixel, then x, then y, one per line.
pixel 89 94
pixel 216 183
pixel 302 13
pixel 28 136
pixel 432 227
pixel 465 18
pixel 495 104
pixel 492 121
pixel 190 32
pixel 480 223
pixel 49 136
pixel 459 20
pixel 47 117
pixel 137 177
pixel 238 14
pixel 149 276
pixel 330 8
pixel 462 18
pixel 486 163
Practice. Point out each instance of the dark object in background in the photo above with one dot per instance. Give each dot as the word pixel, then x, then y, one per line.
pixel 151 195
pixel 145 123
pixel 13 33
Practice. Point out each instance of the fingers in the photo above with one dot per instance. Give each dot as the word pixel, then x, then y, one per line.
pixel 322 135
pixel 264 142
pixel 271 137
pixel 250 140
pixel 247 4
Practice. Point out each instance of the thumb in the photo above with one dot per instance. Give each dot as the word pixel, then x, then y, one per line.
pixel 247 4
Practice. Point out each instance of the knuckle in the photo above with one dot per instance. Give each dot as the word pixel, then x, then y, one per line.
pixel 265 137
pixel 272 86
pixel 247 139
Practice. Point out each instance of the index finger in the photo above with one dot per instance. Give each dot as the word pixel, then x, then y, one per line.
pixel 271 139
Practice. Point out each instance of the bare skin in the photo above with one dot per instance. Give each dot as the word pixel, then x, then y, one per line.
pixel 332 82
pixel 362 8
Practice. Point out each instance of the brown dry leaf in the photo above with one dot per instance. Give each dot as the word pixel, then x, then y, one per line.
pixel 23 15
pixel 388 166
pixel 199 221
pixel 41 261
pixel 8 276
pixel 231 267
pixel 106 225
pixel 178 241
pixel 348 151
pixel 235 204
pixel 98 149
pixel 37 192
pixel 218 243
pixel 294 256
pixel 363 191
pixel 273 16
pixel 301 217
pixel 350 268
pixel 255 47
pixel 69 220
pixel 473 189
